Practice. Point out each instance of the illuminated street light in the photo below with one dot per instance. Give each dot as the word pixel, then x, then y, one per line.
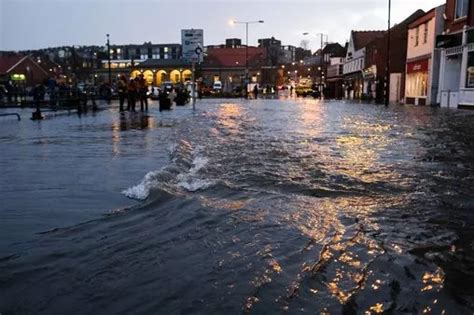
pixel 232 22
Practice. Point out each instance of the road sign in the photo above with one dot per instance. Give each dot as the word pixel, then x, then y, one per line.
pixel 192 41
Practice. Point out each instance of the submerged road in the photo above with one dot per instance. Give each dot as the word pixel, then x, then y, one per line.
pixel 263 206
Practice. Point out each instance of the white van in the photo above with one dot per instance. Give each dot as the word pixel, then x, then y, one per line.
pixel 217 86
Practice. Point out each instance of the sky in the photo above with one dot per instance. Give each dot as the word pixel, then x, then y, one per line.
pixel 33 24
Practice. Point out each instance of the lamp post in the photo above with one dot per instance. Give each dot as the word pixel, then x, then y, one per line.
pixel 322 37
pixel 321 73
pixel 246 50
pixel 108 61
pixel 387 81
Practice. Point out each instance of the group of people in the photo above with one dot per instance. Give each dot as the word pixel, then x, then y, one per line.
pixel 135 90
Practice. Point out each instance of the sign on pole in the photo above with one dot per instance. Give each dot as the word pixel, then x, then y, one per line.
pixel 192 41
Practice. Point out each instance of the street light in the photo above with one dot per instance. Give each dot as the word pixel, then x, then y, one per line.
pixel 322 36
pixel 247 48
pixel 321 73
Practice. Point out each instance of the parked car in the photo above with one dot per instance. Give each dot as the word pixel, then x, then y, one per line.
pixel 217 86
pixel 303 90
pixel 167 86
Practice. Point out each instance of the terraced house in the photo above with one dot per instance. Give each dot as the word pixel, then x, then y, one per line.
pixel 456 81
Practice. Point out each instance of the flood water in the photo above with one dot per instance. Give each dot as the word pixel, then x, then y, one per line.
pixel 263 206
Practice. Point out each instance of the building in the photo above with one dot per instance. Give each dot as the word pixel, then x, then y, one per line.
pixel 355 63
pixel 422 67
pixel 228 65
pixel 334 58
pixel 21 70
pixel 456 81
pixel 233 43
pixel 269 42
pixel 157 62
pixel 375 71
pixel 288 54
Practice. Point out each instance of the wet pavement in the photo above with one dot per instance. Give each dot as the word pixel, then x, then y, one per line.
pixel 260 206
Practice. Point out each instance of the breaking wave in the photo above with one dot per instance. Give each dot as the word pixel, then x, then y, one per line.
pixel 182 172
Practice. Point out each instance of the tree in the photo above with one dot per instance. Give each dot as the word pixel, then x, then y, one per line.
pixel 304 44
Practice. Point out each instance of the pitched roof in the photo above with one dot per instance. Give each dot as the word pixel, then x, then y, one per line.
pixel 8 62
pixel 335 50
pixel 235 57
pixel 423 19
pixel 362 38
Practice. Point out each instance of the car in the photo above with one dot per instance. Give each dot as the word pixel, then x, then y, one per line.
pixel 167 86
pixel 304 90
pixel 217 86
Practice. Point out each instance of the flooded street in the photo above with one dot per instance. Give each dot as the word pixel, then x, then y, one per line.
pixel 264 206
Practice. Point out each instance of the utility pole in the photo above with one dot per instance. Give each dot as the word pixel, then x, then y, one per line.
pixel 108 59
pixel 387 80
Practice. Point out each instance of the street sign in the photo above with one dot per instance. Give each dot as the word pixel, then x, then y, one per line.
pixel 192 41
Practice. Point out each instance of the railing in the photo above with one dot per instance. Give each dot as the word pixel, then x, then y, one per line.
pixel 12 114
pixel 470 47
pixel 454 51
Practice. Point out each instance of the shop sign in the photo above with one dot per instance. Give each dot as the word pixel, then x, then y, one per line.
pixel 418 66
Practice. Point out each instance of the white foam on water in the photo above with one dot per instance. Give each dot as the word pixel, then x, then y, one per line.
pixel 189 181
pixel 195 184
pixel 198 163
pixel 183 178
pixel 142 190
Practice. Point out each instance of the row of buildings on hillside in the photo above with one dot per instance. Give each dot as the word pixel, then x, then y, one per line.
pixel 267 63
pixel 431 59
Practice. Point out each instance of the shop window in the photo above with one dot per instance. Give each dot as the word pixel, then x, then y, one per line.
pixel 462 7
pixel 417 84
pixel 470 71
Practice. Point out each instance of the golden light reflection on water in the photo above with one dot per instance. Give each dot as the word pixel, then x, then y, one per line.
pixel 116 138
pixel 377 309
pixel 433 281
pixel 311 119
pixel 229 116
pixel 361 151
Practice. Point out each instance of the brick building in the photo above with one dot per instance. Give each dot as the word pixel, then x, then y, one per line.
pixel 375 71
pixel 22 70
pixel 228 65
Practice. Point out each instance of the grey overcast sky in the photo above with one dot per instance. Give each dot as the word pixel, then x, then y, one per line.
pixel 31 24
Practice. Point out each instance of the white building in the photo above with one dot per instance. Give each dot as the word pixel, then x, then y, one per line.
pixel 456 81
pixel 355 62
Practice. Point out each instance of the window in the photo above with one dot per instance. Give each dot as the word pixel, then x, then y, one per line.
pixel 417 36
pixel 470 71
pixel 461 8
pixel 425 33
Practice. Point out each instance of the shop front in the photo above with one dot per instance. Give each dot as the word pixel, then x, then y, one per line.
pixel 354 85
pixel 417 81
pixel 466 95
